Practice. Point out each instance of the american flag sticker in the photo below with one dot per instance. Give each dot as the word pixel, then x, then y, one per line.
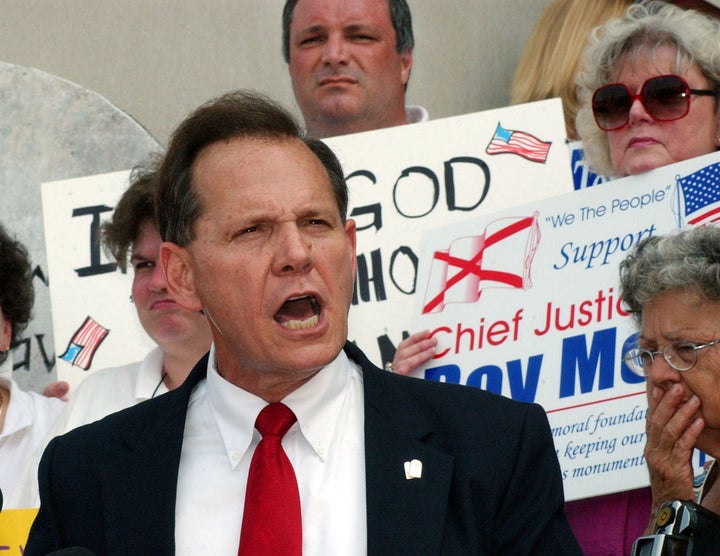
pixel 697 197
pixel 499 258
pixel 84 343
pixel 508 141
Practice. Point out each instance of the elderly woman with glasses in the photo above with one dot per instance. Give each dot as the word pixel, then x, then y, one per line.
pixel 671 285
pixel 648 96
pixel 649 90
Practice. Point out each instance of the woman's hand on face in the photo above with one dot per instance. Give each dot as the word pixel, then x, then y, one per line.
pixel 414 351
pixel 672 430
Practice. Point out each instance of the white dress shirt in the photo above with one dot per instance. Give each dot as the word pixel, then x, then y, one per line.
pixel 28 417
pixel 415 114
pixel 326 448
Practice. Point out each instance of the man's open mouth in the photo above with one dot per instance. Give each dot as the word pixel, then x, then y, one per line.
pixel 299 313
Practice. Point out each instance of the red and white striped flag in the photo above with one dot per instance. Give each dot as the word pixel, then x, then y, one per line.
pixel 84 343
pixel 518 142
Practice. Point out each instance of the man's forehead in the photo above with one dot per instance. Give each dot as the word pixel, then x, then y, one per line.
pixel 309 13
pixel 242 156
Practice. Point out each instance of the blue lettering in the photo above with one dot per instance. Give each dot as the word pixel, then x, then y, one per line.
pixel 575 356
pixel 524 392
pixel 444 373
pixel 492 376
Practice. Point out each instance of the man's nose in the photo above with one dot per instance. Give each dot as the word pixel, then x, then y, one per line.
pixel 335 50
pixel 157 279
pixel 294 251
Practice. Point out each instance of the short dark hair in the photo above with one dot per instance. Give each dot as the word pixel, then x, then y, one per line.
pixel 135 207
pixel 16 291
pixel 399 16
pixel 238 114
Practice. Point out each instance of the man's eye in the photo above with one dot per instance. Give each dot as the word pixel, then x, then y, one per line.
pixel 245 231
pixel 143 265
pixel 362 38
pixel 310 40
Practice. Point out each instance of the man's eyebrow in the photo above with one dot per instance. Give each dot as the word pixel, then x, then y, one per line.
pixel 352 27
pixel 317 28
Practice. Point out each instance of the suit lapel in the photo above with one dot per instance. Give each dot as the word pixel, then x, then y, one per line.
pixel 140 489
pixel 404 516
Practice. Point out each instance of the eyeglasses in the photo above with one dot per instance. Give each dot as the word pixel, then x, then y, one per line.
pixel 665 98
pixel 681 355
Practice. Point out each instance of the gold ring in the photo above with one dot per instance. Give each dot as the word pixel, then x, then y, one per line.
pixel 390 367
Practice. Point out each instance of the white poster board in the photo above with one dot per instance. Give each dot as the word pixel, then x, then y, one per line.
pixel 94 321
pixel 410 178
pixel 525 303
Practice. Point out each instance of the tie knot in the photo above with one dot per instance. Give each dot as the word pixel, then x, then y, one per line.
pixel 274 420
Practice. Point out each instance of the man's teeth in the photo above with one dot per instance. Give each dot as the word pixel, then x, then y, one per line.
pixel 301 324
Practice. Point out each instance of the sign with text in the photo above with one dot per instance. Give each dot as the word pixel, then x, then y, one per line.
pixel 402 180
pixel 525 303
pixel 14 529
pixel 94 322
pixel 406 179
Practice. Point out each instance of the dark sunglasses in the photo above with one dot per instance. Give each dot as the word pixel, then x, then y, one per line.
pixel 665 98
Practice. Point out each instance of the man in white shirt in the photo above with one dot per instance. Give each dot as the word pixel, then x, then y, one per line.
pixel 349 63
pixel 253 214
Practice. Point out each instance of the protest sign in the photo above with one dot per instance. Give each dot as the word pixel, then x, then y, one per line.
pixel 525 303
pixel 94 321
pixel 14 529
pixel 410 178
pixel 402 180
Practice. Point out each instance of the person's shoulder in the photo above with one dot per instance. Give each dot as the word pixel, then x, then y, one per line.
pixel 431 391
pixel 108 378
pixel 148 414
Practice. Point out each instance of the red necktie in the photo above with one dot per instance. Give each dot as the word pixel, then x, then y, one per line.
pixel 271 522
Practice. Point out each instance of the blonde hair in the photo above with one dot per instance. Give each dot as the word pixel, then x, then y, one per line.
pixel 551 58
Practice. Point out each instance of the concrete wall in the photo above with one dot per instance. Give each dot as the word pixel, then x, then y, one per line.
pixel 158 59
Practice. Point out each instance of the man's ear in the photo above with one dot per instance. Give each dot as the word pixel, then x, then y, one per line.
pixel 175 261
pixel 351 233
pixel 406 61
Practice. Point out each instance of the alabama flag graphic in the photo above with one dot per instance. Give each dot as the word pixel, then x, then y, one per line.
pixel 84 344
pixel 499 258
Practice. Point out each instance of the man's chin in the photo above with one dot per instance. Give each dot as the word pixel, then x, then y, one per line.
pixel 312 356
pixel 344 105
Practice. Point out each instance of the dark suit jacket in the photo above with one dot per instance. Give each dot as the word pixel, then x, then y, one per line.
pixel 490 478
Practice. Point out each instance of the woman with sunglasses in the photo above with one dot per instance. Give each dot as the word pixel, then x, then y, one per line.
pixel 649 90
pixel 648 97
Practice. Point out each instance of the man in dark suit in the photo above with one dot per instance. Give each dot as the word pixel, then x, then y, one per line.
pixel 256 237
